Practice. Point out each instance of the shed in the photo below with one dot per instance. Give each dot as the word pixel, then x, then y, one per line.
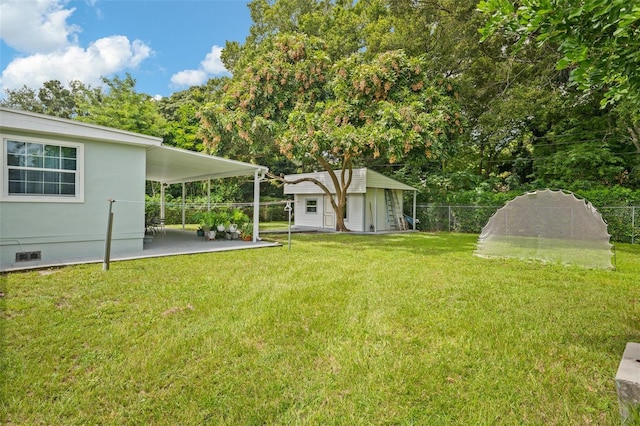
pixel 58 176
pixel 374 202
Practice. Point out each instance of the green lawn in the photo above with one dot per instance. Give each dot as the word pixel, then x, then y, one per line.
pixel 342 329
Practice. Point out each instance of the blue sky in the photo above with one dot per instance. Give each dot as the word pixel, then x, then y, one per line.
pixel 166 45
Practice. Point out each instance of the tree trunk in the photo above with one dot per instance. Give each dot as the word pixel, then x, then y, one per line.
pixel 339 210
pixel 634 132
pixel 341 185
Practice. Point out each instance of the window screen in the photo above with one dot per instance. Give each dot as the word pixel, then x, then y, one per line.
pixel 41 169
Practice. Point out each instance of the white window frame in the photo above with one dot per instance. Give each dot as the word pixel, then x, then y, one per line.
pixel 306 205
pixel 39 198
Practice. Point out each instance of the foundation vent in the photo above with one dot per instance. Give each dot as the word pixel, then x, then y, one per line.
pixel 26 256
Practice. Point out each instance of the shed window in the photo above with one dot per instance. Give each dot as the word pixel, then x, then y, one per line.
pixel 39 171
pixel 311 206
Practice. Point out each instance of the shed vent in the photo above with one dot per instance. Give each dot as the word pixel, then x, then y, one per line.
pixel 26 256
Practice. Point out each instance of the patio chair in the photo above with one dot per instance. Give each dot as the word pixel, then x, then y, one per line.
pixel 158 226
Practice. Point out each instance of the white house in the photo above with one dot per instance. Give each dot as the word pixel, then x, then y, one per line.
pixel 374 202
pixel 58 176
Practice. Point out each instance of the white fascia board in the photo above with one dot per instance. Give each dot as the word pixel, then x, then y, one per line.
pixel 173 165
pixel 24 121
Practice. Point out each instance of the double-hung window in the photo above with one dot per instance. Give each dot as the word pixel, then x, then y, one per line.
pixel 311 205
pixel 42 170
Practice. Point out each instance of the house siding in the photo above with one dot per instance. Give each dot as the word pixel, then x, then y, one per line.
pixel 66 232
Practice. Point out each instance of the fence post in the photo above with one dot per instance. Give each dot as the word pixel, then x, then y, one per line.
pixel 449 218
pixel 633 224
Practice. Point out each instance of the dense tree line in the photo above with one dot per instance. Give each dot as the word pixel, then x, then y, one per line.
pixel 446 95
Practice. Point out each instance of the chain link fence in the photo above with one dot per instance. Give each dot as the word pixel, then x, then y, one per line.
pixel 269 211
pixel 623 222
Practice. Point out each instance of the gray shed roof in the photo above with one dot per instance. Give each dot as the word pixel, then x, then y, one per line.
pixel 362 179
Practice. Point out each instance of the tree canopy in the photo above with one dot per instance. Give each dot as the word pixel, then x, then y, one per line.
pixel 599 39
pixel 334 114
pixel 445 95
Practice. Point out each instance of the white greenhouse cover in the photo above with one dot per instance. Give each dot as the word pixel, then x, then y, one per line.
pixel 551 226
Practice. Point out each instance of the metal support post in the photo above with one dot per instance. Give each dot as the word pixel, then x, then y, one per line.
pixel 288 209
pixel 107 245
pixel 257 177
pixel 184 201
pixel 633 224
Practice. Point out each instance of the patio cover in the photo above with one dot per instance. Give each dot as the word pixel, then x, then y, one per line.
pixel 169 165
pixel 172 165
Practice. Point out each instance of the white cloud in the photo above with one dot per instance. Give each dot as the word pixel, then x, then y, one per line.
pixel 103 57
pixel 210 66
pixel 36 25
pixel 189 78
pixel 212 63
pixel 39 29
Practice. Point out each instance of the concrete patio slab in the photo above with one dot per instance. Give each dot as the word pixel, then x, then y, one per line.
pixel 171 242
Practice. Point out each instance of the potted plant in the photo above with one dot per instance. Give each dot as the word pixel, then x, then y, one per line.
pixel 247 231
pixel 207 224
pixel 238 218
pixel 222 221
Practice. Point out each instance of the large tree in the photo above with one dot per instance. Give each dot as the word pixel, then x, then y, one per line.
pixel 599 40
pixel 180 110
pixel 52 98
pixel 334 115
pixel 118 105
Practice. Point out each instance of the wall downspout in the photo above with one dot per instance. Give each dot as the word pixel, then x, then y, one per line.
pixel 162 184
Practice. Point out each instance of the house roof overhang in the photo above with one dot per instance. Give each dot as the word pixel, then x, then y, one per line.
pixel 163 163
pixel 172 165
pixel 12 120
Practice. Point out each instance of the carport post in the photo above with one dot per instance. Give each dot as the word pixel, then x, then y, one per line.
pixel 184 200
pixel 162 185
pixel 256 204
pixel 415 195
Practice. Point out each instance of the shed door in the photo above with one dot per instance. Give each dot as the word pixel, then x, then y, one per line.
pixel 329 217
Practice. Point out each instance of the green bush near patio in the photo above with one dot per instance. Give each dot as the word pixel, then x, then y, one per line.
pixel 343 329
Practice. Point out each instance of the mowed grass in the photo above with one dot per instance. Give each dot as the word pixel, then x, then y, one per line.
pixel 341 330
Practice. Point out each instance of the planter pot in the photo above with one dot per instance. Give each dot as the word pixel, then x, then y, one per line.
pixel 247 237
pixel 220 228
pixel 211 235
pixel 233 228
pixel 200 233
